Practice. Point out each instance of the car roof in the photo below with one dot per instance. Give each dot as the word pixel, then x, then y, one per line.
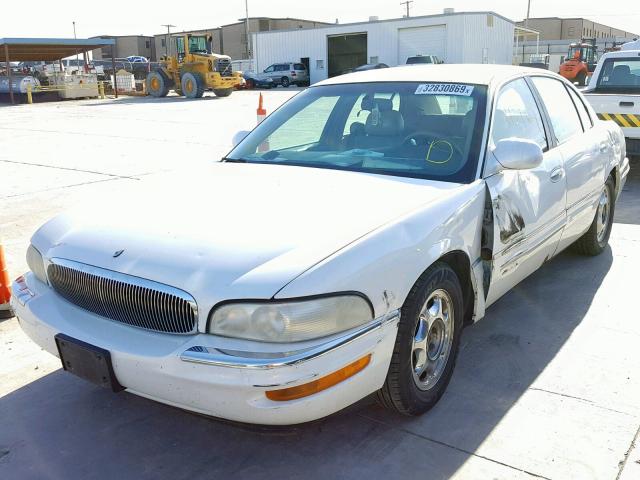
pixel 621 53
pixel 481 74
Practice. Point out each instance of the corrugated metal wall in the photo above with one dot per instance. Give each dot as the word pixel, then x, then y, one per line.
pixel 471 38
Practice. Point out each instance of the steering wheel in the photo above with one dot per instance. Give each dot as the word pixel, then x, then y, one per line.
pixel 431 137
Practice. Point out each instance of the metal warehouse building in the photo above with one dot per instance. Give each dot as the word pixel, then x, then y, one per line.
pixel 465 37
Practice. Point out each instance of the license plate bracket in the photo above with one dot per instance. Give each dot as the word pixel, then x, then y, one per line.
pixel 87 361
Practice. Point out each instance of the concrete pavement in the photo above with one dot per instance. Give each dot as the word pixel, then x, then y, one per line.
pixel 546 386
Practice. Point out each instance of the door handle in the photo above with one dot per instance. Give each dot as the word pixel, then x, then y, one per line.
pixel 557 174
pixel 627 104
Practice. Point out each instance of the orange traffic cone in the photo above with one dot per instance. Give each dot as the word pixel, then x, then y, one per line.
pixel 261 112
pixel 5 288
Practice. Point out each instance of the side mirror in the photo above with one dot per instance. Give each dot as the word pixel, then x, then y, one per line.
pixel 518 154
pixel 239 136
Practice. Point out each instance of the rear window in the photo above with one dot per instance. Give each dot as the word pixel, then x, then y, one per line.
pixel 299 66
pixel 620 74
pixel 414 60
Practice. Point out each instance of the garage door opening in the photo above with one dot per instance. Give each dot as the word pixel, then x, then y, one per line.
pixel 421 41
pixel 346 52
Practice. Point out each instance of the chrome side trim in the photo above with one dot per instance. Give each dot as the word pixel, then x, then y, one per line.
pixel 268 360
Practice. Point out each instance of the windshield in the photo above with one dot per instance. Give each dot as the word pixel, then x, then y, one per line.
pixel 414 60
pixel 620 74
pixel 411 129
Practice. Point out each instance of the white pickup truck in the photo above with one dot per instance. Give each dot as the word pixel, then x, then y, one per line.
pixel 614 92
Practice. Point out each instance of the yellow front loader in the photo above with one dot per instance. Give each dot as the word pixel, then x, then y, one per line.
pixel 193 70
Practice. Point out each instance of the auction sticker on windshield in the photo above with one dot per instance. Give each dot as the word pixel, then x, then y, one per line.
pixel 446 88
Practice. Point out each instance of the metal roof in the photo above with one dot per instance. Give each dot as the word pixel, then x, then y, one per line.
pixel 385 20
pixel 48 49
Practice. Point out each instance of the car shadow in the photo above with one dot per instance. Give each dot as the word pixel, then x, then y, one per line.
pixel 60 427
pixel 628 206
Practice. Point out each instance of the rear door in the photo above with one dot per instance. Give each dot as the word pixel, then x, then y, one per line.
pixel 585 151
pixel 528 206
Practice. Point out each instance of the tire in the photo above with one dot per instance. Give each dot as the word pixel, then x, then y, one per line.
pixel 285 82
pixel 157 84
pixel 191 85
pixel 581 78
pixel 404 390
pixel 223 92
pixel 596 239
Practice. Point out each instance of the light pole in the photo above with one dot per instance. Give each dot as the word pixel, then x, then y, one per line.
pixel 166 38
pixel 246 26
pixel 526 21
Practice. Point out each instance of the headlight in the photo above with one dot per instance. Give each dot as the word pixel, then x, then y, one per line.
pixel 293 321
pixel 36 263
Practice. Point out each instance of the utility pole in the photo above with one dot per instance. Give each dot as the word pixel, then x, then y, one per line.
pixel 74 37
pixel 166 38
pixel 526 21
pixel 246 26
pixel 407 3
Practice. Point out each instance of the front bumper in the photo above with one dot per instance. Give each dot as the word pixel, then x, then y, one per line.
pixel 209 374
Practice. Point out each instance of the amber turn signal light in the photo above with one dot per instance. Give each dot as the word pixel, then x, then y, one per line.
pixel 323 383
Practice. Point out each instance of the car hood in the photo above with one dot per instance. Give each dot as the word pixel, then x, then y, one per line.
pixel 258 76
pixel 233 230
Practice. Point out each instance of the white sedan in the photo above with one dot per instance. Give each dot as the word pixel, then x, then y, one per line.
pixel 337 251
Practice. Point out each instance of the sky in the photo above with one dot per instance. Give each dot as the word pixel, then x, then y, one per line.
pixel 116 17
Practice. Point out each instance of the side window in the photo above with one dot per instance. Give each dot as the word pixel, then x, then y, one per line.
pixel 269 69
pixel 281 68
pixel 517 115
pixel 585 118
pixel 562 112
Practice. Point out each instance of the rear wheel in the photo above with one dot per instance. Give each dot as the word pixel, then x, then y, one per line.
pixel 157 84
pixel 192 85
pixel 427 343
pixel 595 240
pixel 285 82
pixel 222 92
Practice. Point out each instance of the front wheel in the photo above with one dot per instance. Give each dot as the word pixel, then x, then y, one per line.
pixel 157 84
pixel 595 240
pixel 427 343
pixel 222 92
pixel 192 85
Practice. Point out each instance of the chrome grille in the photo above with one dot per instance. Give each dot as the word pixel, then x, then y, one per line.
pixel 223 67
pixel 124 298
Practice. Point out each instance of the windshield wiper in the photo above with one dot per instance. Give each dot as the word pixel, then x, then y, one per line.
pixel 234 160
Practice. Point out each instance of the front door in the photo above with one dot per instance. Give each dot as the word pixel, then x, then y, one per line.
pixel 528 206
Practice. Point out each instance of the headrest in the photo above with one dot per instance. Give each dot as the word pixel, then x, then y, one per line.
pixel 369 103
pixel 621 70
pixel 384 123
pixel 356 128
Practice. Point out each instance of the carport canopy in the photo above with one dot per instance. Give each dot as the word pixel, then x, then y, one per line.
pixel 47 49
